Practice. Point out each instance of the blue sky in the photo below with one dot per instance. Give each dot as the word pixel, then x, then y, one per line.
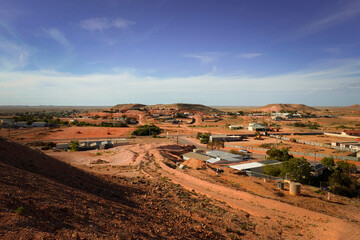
pixel 249 53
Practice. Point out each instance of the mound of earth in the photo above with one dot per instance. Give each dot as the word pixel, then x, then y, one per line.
pixel 99 161
pixel 194 163
pixel 44 198
pixel 286 108
pixel 182 107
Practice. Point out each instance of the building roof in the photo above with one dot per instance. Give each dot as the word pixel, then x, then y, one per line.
pixel 245 166
pixel 317 166
pixel 252 165
pixel 269 161
pixel 351 131
pixel 197 156
pixel 224 155
pixel 213 160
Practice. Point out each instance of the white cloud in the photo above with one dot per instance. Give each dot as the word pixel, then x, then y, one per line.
pixel 101 24
pixel 206 57
pixel 249 55
pixel 49 87
pixel 59 36
pixel 203 59
pixel 122 23
pixel 342 15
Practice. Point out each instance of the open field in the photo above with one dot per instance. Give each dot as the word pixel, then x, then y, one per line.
pixel 65 133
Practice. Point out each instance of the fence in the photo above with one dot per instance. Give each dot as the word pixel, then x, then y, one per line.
pixel 315 155
pixel 324 145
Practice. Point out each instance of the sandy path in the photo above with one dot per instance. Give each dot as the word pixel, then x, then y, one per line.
pixel 318 225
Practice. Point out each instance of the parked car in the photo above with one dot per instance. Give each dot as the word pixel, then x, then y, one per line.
pixel 244 151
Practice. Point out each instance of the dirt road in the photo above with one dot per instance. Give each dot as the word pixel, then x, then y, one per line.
pixel 314 225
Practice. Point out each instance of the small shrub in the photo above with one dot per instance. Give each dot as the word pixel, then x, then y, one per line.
pixel 20 210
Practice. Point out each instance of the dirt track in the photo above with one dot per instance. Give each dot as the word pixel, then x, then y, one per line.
pixel 299 223
pixel 314 224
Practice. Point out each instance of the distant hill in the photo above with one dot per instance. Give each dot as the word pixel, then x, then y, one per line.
pixel 194 108
pixel 285 107
pixel 184 107
pixel 129 106
pixel 352 108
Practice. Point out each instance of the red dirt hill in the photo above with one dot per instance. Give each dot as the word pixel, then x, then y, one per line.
pixel 57 201
pixel 286 107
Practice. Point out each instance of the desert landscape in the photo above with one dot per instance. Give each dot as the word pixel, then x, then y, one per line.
pixel 96 188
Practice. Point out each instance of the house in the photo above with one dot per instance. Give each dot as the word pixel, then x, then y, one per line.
pixel 226 138
pixel 257 167
pixel 21 124
pixel 355 146
pixel 235 127
pixel 38 124
pixel 343 144
pixel 7 122
pixel 193 155
pixel 254 126
pixel 277 118
pixel 351 133
pixel 63 146
pixel 347 144
pixel 317 169
pixel 225 157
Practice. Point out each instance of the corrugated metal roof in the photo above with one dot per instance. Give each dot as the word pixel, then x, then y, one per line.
pixel 247 165
pixel 269 161
pixel 197 156
pixel 213 160
pixel 225 156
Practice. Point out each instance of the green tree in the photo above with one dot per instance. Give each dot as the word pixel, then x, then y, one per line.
pixel 272 170
pixel 328 161
pixel 280 155
pixel 205 138
pixel 341 182
pixel 74 146
pixel 147 130
pixel 346 167
pixel 297 169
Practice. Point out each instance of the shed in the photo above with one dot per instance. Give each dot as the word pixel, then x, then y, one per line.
pixel 38 124
pixel 194 155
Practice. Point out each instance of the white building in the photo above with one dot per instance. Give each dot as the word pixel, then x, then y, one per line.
pixel 254 126
pixel 7 122
pixel 235 127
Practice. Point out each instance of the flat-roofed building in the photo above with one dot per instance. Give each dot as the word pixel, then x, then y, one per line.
pixel 193 155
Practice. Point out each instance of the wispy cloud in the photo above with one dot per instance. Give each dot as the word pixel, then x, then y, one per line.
pixel 206 58
pixel 203 58
pixel 249 55
pixel 14 54
pixel 101 24
pixel 60 37
pixel 343 14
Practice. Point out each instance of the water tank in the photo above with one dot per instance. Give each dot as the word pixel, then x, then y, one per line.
pixel 295 188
